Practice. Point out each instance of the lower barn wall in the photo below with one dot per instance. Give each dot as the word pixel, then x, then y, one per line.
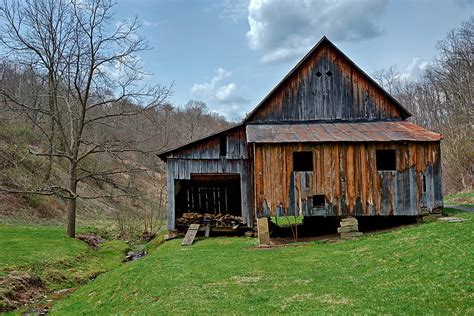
pixel 182 169
pixel 346 174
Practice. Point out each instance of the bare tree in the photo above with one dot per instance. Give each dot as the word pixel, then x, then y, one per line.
pixel 388 78
pixel 442 100
pixel 95 84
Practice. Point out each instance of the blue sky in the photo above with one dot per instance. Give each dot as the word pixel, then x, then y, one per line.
pixel 230 54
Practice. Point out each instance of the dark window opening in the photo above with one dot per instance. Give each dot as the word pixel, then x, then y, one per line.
pixel 318 74
pixel 329 73
pixel 386 160
pixel 319 200
pixel 303 161
pixel 424 183
pixel 223 146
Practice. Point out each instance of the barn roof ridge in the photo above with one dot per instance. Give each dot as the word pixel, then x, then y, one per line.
pixel 294 70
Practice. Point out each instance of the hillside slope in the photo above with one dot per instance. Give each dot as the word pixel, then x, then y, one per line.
pixel 19 169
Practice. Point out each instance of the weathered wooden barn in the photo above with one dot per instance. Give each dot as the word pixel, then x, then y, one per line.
pixel 326 141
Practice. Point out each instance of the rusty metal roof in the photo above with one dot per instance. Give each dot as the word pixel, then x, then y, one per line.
pixel 339 132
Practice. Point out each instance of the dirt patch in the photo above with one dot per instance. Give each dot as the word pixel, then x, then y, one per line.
pixel 289 240
pixel 19 289
pixel 298 298
pixel 91 239
pixel 334 300
pixel 246 279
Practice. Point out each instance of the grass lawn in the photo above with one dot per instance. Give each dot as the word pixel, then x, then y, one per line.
pixel 424 269
pixel 22 245
pixel 44 252
pixel 463 198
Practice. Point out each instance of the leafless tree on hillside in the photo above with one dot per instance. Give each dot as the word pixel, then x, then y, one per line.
pixel 94 84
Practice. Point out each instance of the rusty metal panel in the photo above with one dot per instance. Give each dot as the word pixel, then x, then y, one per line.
pixel 339 132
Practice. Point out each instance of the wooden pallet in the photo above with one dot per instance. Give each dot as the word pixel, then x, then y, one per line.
pixel 190 235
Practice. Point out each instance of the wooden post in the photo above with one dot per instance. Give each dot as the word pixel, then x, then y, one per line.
pixel 263 231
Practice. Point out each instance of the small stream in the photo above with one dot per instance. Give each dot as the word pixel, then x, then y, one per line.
pixel 135 255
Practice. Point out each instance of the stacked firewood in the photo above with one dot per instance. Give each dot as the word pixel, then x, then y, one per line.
pixel 349 228
pixel 218 220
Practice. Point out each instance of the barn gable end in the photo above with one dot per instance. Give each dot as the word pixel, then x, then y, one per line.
pixel 326 85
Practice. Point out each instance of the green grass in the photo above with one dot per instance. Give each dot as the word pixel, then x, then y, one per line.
pixel 23 245
pixel 59 262
pixel 287 220
pixel 463 198
pixel 424 269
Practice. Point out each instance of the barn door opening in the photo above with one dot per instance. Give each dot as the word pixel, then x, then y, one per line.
pixel 209 194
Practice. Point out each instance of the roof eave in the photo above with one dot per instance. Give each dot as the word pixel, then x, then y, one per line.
pixel 163 155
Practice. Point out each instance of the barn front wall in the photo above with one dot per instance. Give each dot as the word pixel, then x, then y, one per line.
pixel 344 180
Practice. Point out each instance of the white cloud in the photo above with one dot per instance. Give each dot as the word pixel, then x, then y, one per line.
pixel 150 23
pixel 287 28
pixel 220 95
pixel 414 69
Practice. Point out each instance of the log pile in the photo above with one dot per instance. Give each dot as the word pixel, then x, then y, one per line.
pixel 217 220
pixel 349 228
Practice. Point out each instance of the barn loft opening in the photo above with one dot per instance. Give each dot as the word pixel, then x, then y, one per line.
pixel 223 146
pixel 386 160
pixel 319 200
pixel 209 194
pixel 303 161
pixel 318 74
pixel 329 73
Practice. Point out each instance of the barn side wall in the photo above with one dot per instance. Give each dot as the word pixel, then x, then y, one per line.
pixel 327 87
pixel 346 174
pixel 204 158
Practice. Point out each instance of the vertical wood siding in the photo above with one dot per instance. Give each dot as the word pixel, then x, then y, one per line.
pixel 203 157
pixel 209 149
pixel 346 174
pixel 312 94
pixel 183 169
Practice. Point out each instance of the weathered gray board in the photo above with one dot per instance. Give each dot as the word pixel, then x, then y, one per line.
pixel 190 235
pixel 210 149
pixel 182 169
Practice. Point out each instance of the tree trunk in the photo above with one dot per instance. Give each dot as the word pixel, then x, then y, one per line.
pixel 72 202
pixel 52 108
pixel 49 166
pixel 71 217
